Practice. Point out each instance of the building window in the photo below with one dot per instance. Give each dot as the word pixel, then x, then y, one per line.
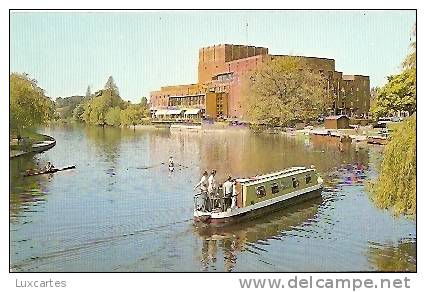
pixel 274 188
pixel 260 191
pixel 308 179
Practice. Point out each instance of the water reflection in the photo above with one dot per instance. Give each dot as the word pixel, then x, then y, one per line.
pixel 251 235
pixel 25 192
pixel 391 257
pixel 242 154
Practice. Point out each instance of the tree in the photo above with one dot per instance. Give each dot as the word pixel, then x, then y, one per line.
pixel 78 112
pixel 96 108
pixel 395 187
pixel 112 117
pixel 400 92
pixel 29 107
pixel 111 86
pixel 65 106
pixel 88 93
pixel 132 115
pixel 285 90
pixel 144 101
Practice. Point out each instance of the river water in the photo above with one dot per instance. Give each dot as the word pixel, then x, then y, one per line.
pixel 121 210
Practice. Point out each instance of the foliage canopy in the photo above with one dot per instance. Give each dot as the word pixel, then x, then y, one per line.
pixel 29 107
pixel 399 93
pixel 285 90
pixel 395 187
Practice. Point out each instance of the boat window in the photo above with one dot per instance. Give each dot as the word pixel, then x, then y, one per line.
pixel 275 189
pixel 260 191
pixel 308 179
pixel 295 182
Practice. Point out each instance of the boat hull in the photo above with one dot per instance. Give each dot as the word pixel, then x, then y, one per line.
pixel 258 212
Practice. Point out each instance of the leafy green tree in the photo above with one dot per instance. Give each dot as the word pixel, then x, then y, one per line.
pixel 29 107
pixel 399 93
pixel 112 117
pixel 395 187
pixel 65 106
pixel 285 90
pixel 111 87
pixel 131 116
pixel 144 101
pixel 78 112
pixel 96 108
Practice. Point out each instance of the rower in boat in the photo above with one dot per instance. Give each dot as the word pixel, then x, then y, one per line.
pixel 48 169
pixel 49 166
pixel 171 164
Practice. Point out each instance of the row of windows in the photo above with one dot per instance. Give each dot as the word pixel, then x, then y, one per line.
pixel 261 190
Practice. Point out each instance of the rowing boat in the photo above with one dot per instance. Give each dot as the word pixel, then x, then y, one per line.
pixel 50 171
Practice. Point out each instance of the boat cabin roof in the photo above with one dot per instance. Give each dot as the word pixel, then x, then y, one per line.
pixel 274 175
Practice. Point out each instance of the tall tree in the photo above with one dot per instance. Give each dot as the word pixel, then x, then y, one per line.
pixel 144 101
pixel 88 93
pixel 285 90
pixel 111 86
pixel 29 106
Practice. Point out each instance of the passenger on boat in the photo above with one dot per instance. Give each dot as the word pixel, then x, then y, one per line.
pixel 234 194
pixel 227 193
pixel 212 188
pixel 203 184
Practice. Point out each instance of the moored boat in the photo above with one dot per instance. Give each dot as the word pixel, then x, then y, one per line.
pixel 380 140
pixel 260 195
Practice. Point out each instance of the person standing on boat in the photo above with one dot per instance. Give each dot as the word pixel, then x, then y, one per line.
pixel 234 195
pixel 227 193
pixel 203 184
pixel 212 186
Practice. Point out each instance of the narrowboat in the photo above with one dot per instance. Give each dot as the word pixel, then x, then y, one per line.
pixel 260 195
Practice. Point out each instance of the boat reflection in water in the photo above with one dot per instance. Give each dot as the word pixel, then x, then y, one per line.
pixel 246 236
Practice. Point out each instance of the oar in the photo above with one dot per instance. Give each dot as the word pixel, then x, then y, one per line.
pixel 151 166
pixel 183 166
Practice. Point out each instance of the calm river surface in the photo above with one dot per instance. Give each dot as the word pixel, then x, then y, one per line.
pixel 113 214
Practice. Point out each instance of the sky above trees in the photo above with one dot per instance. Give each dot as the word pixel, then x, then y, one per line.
pixel 144 50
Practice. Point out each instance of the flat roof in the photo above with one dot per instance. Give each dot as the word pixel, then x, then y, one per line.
pixel 274 175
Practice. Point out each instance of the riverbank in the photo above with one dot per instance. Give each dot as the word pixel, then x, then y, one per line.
pixel 33 143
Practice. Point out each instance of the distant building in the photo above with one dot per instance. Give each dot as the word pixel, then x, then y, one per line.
pixel 219 91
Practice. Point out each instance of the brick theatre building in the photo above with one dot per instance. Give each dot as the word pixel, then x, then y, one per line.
pixel 219 91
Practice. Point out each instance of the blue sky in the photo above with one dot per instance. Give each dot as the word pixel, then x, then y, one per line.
pixel 143 50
